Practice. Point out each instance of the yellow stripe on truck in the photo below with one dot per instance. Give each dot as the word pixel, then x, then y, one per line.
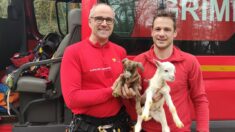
pixel 218 68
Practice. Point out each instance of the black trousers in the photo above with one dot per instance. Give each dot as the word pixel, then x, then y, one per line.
pixel 120 122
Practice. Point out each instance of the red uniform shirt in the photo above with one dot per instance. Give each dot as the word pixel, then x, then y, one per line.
pixel 87 74
pixel 188 87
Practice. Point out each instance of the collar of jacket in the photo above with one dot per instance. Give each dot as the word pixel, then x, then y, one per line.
pixel 176 56
pixel 98 45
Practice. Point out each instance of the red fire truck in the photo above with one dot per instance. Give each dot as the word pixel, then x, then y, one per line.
pixel 205 29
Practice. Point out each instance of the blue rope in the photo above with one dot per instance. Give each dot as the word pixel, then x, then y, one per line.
pixel 3 110
pixel 3 88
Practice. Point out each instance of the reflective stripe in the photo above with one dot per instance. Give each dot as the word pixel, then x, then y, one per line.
pixel 218 68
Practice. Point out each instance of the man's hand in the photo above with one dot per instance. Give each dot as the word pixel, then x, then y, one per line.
pixel 156 97
pixel 127 93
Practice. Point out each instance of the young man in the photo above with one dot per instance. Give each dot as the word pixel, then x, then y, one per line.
pixel 88 70
pixel 188 86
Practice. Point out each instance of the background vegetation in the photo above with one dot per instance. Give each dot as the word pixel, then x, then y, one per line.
pixel 45 12
pixel 3 8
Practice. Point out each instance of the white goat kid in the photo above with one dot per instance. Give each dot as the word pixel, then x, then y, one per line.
pixel 157 85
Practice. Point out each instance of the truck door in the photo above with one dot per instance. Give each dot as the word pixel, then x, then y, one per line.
pixel 12 30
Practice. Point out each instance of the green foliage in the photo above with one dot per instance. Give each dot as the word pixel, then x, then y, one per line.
pixel 3 8
pixel 45 12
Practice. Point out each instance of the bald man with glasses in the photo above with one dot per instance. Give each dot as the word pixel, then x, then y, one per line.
pixel 88 71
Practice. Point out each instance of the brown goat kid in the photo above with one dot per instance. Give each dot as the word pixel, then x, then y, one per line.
pixel 131 77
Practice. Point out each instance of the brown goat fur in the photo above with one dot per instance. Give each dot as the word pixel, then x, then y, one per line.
pixel 131 77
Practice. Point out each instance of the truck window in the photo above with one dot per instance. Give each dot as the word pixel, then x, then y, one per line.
pixel 3 8
pixel 125 17
pixel 46 15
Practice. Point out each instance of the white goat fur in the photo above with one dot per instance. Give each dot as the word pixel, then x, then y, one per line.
pixel 157 85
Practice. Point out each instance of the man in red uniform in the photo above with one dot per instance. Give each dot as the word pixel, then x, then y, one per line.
pixel 187 89
pixel 88 70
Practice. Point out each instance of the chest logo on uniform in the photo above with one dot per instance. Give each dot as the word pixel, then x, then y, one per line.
pixel 114 59
pixel 100 69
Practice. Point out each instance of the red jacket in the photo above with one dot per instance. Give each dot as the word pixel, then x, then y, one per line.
pixel 87 74
pixel 188 87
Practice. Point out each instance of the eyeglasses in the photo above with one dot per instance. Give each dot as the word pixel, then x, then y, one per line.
pixel 100 19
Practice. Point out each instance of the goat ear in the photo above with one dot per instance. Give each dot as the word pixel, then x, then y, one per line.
pixel 158 63
pixel 124 60
pixel 140 66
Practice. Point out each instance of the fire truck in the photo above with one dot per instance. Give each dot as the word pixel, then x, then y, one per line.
pixel 205 29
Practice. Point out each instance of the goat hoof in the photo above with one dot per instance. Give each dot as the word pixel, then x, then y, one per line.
pixel 137 128
pixel 180 124
pixel 146 118
pixel 115 95
pixel 166 129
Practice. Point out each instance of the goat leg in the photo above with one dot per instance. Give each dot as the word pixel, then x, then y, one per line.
pixel 172 109
pixel 117 87
pixel 148 103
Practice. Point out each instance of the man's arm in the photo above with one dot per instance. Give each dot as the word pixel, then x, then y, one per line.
pixel 199 97
pixel 73 94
